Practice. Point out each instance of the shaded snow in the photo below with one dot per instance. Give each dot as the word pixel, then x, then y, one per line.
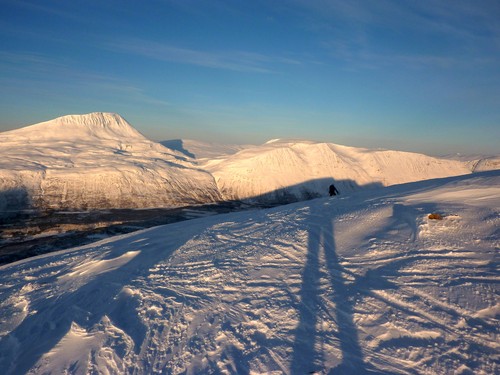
pixel 363 283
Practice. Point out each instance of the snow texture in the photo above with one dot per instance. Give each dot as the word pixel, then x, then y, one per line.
pixel 363 283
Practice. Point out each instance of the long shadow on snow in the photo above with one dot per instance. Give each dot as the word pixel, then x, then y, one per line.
pixel 309 189
pixel 41 331
pixel 91 302
pixel 307 357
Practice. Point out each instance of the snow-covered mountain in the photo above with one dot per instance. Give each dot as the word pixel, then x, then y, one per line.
pixel 99 161
pixel 478 163
pixel 364 283
pixel 288 170
pixel 95 161
pixel 486 164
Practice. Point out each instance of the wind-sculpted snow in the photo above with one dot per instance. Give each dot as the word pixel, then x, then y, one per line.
pixel 363 283
pixel 96 161
pixel 294 170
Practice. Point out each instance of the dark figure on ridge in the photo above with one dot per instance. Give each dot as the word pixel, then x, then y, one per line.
pixel 333 190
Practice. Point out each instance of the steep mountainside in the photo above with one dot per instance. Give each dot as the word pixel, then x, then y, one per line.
pixel 486 164
pixel 299 169
pixel 95 161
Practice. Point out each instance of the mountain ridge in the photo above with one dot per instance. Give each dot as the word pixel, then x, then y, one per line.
pixel 305 168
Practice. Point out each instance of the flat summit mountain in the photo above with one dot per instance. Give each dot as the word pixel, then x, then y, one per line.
pixel 79 128
pixel 95 161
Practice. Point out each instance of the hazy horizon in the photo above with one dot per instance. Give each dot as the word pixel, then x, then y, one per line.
pixel 421 77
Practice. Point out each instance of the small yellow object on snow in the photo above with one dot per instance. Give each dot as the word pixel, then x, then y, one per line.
pixel 435 217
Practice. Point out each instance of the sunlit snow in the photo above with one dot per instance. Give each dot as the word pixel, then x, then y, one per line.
pixel 361 283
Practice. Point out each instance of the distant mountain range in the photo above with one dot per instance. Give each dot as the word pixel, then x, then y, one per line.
pixel 99 161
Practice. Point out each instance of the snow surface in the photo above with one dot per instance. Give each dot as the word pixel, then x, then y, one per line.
pixel 95 161
pixel 362 283
pixel 486 164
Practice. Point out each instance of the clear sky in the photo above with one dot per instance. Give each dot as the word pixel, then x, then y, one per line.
pixel 409 75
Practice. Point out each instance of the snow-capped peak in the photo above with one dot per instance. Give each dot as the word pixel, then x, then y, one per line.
pixel 97 120
pixel 72 161
pixel 100 125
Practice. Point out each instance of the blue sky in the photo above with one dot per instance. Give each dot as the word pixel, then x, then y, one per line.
pixel 409 75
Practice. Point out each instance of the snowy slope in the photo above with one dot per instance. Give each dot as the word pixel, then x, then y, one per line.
pixel 301 169
pixel 94 161
pixel 363 283
pixel 486 164
pixel 478 163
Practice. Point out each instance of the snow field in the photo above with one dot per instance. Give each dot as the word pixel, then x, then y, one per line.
pixel 363 283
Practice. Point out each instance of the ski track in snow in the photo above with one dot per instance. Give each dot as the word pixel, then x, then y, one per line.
pixel 359 284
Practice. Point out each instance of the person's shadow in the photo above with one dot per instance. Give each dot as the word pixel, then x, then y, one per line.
pixel 306 357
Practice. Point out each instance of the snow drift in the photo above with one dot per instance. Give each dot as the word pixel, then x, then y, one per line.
pixel 359 284
pixel 95 161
